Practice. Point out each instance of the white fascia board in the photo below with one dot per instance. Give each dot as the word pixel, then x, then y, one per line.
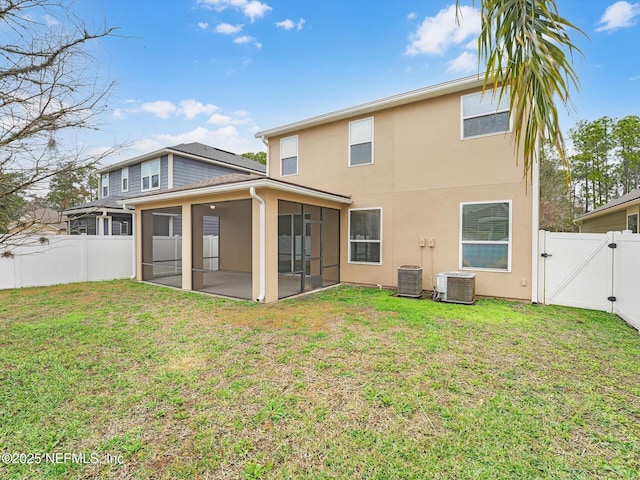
pixel 388 102
pixel 236 187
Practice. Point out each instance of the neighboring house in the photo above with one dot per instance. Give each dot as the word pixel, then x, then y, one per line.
pixel 617 215
pixel 40 221
pixel 427 177
pixel 152 173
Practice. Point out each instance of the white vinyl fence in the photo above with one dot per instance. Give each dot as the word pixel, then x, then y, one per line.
pixel 599 271
pixel 68 259
pixel 167 254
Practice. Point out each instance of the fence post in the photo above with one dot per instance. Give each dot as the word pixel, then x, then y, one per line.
pixel 542 245
pixel 84 258
pixel 17 271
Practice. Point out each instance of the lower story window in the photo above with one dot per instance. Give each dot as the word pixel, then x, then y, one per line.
pixel 365 235
pixel 486 236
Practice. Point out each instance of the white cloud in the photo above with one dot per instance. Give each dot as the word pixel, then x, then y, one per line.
pixel 219 119
pixel 637 77
pixel 203 25
pixel 247 39
pixel 619 15
pixel 255 9
pixel 251 8
pixel 226 138
pixel 412 16
pixel 190 108
pixel 436 34
pixel 50 21
pixel 161 108
pixel 117 114
pixel 464 63
pixel 228 29
pixel 234 118
pixel 289 24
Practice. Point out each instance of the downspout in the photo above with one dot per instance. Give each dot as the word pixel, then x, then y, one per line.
pixel 133 235
pixel 535 223
pixel 263 246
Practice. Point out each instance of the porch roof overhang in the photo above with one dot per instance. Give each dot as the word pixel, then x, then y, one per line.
pixel 237 186
pixel 91 210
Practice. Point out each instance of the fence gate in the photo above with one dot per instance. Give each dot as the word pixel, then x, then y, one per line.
pixel 626 268
pixel 597 271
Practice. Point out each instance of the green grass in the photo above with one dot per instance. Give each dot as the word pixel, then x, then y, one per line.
pixel 346 383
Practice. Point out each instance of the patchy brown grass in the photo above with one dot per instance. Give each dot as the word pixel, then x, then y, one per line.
pixel 350 382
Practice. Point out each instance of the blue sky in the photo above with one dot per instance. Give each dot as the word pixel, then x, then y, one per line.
pixel 216 71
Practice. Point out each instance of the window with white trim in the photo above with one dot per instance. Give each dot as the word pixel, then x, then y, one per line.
pixel 104 185
pixel 150 173
pixel 485 236
pixel 485 114
pixel 632 222
pixel 365 235
pixel 361 142
pixel 289 156
pixel 125 179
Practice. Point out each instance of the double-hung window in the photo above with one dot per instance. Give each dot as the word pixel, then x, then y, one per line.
pixel 289 156
pixel 104 185
pixel 486 235
pixel 365 235
pixel 361 142
pixel 125 179
pixel 485 114
pixel 150 172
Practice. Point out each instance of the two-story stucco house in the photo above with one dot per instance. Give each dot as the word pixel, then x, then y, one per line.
pixel 427 178
pixel 153 172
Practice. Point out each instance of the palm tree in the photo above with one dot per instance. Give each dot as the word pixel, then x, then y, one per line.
pixel 525 45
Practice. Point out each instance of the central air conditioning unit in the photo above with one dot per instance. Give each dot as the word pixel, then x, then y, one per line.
pixel 455 287
pixel 410 281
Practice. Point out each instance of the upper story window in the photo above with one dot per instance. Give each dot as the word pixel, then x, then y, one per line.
pixel 289 156
pixel 486 236
pixel 125 179
pixel 484 114
pixel 361 142
pixel 104 185
pixel 150 172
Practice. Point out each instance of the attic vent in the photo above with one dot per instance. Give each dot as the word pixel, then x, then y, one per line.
pixel 456 287
pixel 410 281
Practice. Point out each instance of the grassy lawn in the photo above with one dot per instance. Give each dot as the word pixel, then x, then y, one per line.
pixel 347 383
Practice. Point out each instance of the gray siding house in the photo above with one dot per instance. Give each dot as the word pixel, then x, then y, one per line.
pixel 154 172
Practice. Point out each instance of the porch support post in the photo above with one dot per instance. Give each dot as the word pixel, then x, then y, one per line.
pixel 262 250
pixel 187 242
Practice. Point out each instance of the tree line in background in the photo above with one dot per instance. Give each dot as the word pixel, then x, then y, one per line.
pixel 604 162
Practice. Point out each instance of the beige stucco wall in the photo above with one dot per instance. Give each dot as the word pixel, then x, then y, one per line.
pixel 422 171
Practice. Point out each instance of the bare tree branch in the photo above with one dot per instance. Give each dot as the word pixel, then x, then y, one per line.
pixel 51 87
